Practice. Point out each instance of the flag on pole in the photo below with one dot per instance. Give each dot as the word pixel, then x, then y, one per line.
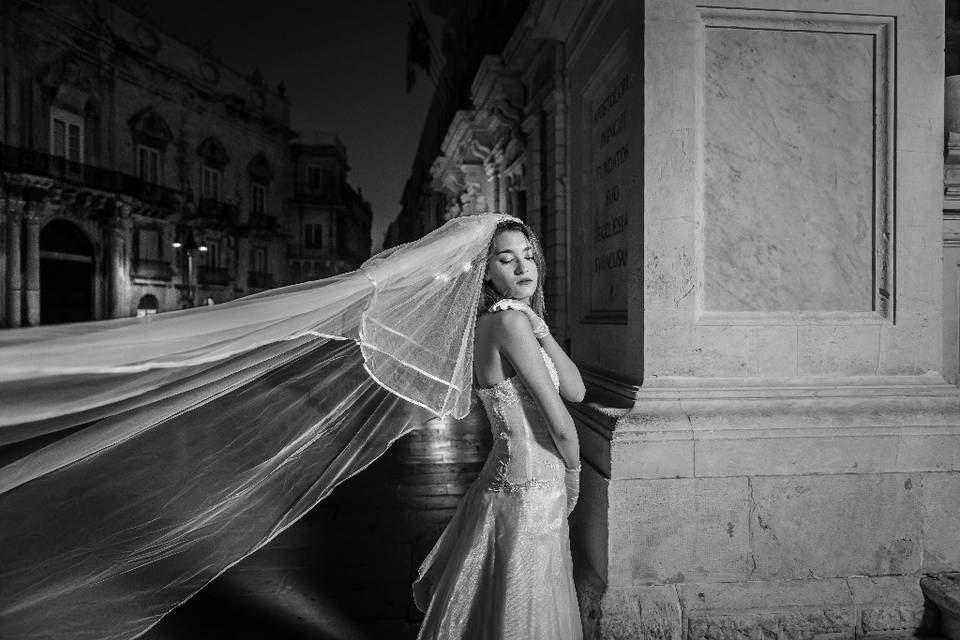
pixel 418 46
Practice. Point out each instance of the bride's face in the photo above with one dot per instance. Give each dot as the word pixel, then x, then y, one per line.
pixel 511 269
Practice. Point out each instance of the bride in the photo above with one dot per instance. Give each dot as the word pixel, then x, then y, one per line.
pixel 502 567
pixel 141 458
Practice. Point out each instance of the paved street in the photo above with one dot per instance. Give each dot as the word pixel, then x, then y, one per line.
pixel 344 571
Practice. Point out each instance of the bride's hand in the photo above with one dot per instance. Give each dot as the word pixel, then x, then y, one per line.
pixel 540 328
pixel 571 478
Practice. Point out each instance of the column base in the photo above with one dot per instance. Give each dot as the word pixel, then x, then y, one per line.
pixel 882 608
pixel 944 592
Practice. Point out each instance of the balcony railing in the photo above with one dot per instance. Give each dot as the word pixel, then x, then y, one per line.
pixel 259 280
pixel 218 211
pixel 152 269
pixel 218 276
pixel 19 160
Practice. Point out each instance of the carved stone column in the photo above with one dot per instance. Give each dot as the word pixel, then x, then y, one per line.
pixel 31 264
pixel 116 267
pixel 495 188
pixel 14 213
pixel 473 198
pixel 3 261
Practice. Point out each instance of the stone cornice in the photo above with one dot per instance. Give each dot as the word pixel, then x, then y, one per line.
pixel 458 133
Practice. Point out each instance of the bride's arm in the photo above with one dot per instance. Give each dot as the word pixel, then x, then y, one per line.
pixel 571 384
pixel 517 343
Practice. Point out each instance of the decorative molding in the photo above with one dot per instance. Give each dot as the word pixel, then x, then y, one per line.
pixel 608 388
pixel 728 427
pixel 213 152
pixel 150 129
pixel 259 168
pixel 584 29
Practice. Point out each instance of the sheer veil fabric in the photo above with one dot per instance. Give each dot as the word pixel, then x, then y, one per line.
pixel 141 458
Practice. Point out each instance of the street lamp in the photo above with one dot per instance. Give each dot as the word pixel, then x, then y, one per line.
pixel 186 243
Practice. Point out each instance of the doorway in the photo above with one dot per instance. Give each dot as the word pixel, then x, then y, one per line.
pixel 66 274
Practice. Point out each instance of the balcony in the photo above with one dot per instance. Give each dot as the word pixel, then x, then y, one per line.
pixel 262 225
pixel 152 269
pixel 15 159
pixel 259 280
pixel 216 276
pixel 216 211
pixel 328 195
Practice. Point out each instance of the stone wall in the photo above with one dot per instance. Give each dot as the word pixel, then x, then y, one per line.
pixel 771 448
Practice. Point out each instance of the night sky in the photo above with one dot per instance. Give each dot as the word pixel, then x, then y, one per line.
pixel 343 64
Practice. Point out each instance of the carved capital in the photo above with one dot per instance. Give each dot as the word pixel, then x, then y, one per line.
pixel 15 206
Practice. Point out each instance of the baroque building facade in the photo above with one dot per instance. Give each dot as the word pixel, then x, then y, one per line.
pixel 138 174
pixel 329 221
pixel 758 280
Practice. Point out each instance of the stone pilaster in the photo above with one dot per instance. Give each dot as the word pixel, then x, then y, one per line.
pixel 3 261
pixel 31 260
pixel 117 262
pixel 14 307
pixel 769 380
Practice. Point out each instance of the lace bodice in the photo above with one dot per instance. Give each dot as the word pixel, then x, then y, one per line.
pixel 523 455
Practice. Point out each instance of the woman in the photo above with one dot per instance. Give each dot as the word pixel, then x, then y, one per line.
pixel 141 458
pixel 502 567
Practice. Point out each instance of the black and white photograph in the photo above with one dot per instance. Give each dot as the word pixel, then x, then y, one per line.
pixel 480 320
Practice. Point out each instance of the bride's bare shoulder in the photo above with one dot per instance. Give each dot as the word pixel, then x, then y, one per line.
pixel 493 326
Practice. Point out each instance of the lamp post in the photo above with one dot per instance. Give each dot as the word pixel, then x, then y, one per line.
pixel 189 246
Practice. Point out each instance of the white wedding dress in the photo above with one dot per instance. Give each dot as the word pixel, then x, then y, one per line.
pixel 502 567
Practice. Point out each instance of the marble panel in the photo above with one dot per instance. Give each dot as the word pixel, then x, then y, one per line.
pixel 788 170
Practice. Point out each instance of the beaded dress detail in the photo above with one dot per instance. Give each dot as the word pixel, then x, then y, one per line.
pixel 502 567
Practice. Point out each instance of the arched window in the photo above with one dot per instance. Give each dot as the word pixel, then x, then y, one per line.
pixel 147 306
pixel 213 157
pixel 151 135
pixel 260 176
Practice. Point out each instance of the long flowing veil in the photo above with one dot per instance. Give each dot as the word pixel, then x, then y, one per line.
pixel 141 458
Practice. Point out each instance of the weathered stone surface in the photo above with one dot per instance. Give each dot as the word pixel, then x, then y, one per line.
pixel 892 605
pixel 826 526
pixel 777 609
pixel 652 613
pixel 941 521
pixel 841 351
pixel 670 531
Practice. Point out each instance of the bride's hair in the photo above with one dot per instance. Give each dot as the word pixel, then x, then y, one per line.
pixel 488 295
